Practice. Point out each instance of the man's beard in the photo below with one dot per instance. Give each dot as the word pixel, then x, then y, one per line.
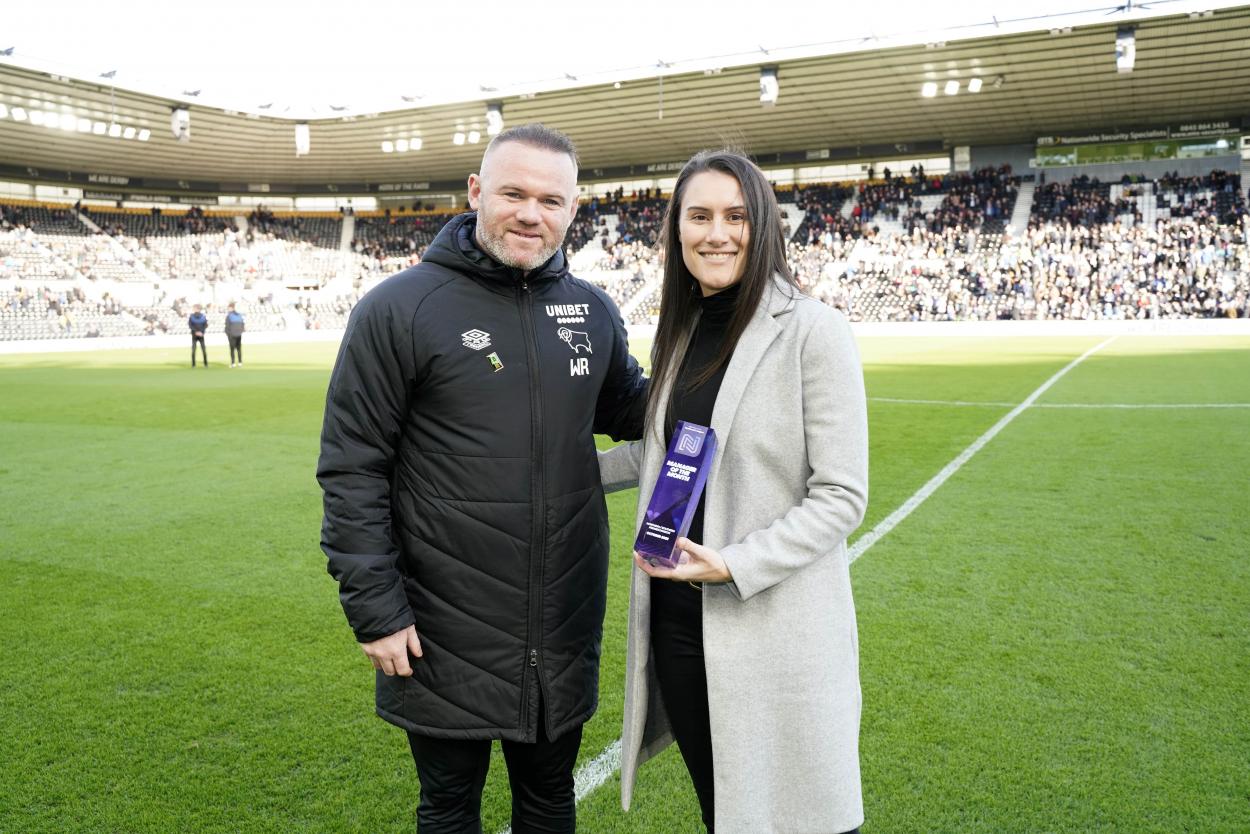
pixel 497 248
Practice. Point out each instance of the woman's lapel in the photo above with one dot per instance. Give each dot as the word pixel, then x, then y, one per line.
pixel 760 332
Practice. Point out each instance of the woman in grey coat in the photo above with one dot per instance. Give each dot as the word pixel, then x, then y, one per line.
pixel 746 653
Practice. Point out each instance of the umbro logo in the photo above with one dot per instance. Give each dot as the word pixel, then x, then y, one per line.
pixel 476 339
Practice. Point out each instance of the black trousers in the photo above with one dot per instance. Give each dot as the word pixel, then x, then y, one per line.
pixel 453 771
pixel 677 645
pixel 236 347
pixel 203 352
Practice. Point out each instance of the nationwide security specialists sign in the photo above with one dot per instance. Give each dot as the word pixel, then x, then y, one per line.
pixel 1190 130
pixel 1193 140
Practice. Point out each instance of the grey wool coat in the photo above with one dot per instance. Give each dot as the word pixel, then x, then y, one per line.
pixel 788 484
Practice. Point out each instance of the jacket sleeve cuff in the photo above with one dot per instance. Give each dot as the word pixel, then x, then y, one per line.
pixel 370 636
pixel 618 466
pixel 739 583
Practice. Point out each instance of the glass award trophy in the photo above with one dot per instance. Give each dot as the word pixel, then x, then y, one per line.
pixel 676 494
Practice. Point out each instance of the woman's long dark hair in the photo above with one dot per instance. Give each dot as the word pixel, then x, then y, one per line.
pixel 679 292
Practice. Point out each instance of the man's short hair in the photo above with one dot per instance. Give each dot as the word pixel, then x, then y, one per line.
pixel 537 135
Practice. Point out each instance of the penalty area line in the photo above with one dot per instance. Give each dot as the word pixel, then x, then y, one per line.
pixel 1058 405
pixel 921 495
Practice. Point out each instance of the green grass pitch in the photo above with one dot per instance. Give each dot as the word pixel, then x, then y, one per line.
pixel 1056 641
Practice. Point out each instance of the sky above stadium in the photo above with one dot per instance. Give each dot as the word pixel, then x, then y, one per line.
pixel 315 59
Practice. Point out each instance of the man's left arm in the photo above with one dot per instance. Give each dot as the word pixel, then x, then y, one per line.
pixel 622 404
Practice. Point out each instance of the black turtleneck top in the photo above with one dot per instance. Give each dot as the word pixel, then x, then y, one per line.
pixel 695 406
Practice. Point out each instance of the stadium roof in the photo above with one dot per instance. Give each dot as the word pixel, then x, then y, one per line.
pixel 837 101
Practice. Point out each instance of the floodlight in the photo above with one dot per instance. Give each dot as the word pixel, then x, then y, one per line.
pixel 84 125
pixel 475 136
pixel 952 87
pixel 770 88
pixel 457 138
pixel 36 117
pixel 99 128
pixel 129 132
pixel 974 85
pixel 303 139
pixel 494 118
pixel 415 143
pixel 145 135
pixel 1125 48
pixel 115 130
pixel 67 121
pixel 401 145
pixel 180 124
pixel 388 146
pixel 19 114
pixel 929 89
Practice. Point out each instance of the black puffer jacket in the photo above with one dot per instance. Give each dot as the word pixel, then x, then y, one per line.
pixel 462 488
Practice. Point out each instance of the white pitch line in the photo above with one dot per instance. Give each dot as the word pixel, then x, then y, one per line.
pixel 895 518
pixel 1142 405
pixel 596 772
pixel 1059 405
pixel 937 402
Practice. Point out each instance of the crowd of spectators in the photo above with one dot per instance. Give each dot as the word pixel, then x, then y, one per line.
pixel 1081 201
pixel 1217 195
pixel 42 219
pixel 821 208
pixel 155 222
pixel 396 235
pixel 1080 257
pixel 317 231
pixel 1181 268
pixel 984 197
pixel 633 265
pixel 59 311
pixel 326 314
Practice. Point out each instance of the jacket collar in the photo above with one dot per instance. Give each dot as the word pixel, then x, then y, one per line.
pixel 455 247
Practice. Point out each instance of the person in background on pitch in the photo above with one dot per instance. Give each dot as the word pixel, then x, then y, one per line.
pixel 464 516
pixel 234 333
pixel 198 322
pixel 747 649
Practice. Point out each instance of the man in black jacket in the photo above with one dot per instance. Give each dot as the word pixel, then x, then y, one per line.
pixel 464 518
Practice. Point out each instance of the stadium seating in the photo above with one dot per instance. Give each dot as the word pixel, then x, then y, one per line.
pixel 1168 248
pixel 387 234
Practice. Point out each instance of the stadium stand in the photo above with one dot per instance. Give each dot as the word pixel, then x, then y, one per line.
pixel 387 234
pixel 1171 247
pixel 317 230
pixel 143 223
pixel 42 218
pixel 822 217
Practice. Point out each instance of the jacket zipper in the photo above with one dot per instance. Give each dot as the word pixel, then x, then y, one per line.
pixel 538 521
